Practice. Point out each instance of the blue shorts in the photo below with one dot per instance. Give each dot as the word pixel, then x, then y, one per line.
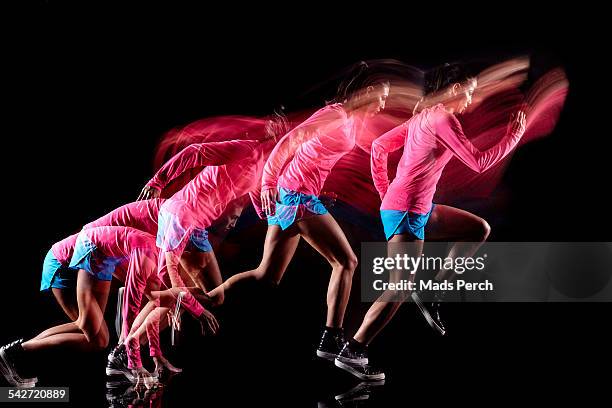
pixel 56 275
pixel 171 232
pixel 87 257
pixel 198 240
pixel 294 206
pixel 401 222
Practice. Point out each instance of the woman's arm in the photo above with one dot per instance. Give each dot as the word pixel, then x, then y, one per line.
pixel 448 130
pixel 198 155
pixel 381 147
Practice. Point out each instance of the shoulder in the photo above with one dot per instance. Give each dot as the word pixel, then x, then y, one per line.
pixel 437 116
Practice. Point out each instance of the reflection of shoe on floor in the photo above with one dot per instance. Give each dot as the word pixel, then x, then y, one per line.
pixel 120 396
pixel 359 392
pixel 431 313
pixel 10 354
pixel 331 344
pixel 153 395
pixel 364 372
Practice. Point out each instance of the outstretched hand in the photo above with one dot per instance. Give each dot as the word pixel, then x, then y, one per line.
pixel 208 323
pixel 518 123
pixel 328 198
pixel 268 200
pixel 148 193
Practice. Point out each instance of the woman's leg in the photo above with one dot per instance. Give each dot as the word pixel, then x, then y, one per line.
pixel 324 234
pixel 204 270
pixel 92 333
pixel 67 300
pixel 382 310
pixel 467 230
pixel 279 248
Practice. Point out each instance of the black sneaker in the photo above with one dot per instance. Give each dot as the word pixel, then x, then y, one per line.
pixel 351 356
pixel 118 363
pixel 359 392
pixel 431 313
pixel 9 355
pixel 364 372
pixel 331 344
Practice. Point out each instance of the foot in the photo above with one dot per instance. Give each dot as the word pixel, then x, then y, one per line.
pixel 352 355
pixel 9 355
pixel 430 312
pixel 364 372
pixel 162 365
pixel 331 344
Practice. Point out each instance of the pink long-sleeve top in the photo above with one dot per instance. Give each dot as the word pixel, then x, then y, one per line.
pixel 137 270
pixel 121 242
pixel 304 157
pixel 141 215
pixel 430 139
pixel 204 198
pixel 63 250
pixel 198 155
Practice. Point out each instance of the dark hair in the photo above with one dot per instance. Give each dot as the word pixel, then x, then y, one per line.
pixel 438 78
pixel 360 76
pixel 278 124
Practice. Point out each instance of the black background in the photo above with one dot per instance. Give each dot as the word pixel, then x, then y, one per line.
pixel 90 91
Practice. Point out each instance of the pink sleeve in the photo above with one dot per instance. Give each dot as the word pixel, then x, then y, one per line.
pixel 139 271
pixel 324 120
pixel 256 200
pixel 202 154
pixel 448 131
pixel 381 147
pixel 192 305
pixel 152 328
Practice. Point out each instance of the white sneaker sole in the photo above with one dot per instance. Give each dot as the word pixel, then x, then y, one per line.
pixel 332 357
pixel 361 376
pixel 325 355
pixel 9 375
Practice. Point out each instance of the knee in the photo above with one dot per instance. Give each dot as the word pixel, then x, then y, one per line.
pixel 102 340
pixel 352 262
pixel 482 230
pixel 264 274
pixel 348 263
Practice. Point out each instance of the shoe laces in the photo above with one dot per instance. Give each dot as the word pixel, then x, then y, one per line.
pixel 13 344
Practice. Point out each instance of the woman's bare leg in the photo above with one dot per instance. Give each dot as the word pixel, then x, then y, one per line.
pixel 324 234
pixel 92 295
pixel 382 311
pixel 279 248
pixel 467 230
